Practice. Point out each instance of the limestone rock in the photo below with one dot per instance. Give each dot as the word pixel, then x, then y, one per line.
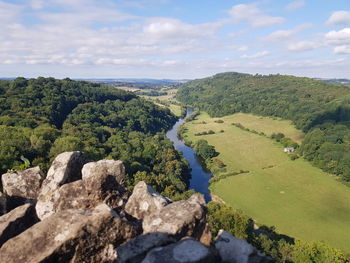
pixel 24 184
pixel 65 168
pixel 16 221
pixel 136 249
pixel 184 251
pixel 70 235
pixel 181 218
pixel 90 192
pixel 144 201
pixel 232 250
pixel 105 167
pixel 2 204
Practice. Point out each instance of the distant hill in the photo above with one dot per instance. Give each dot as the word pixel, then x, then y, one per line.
pixel 337 81
pixel 305 101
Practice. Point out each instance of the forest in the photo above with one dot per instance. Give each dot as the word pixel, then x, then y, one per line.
pixel 40 118
pixel 320 109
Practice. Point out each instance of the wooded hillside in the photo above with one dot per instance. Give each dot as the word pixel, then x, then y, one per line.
pixel 316 107
pixel 40 118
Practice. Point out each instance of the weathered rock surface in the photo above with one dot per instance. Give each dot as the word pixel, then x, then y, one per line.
pixel 205 237
pixel 65 168
pixel 184 251
pixel 144 201
pixel 16 221
pixel 105 167
pixel 2 204
pixel 232 250
pixel 90 192
pixel 70 235
pixel 24 184
pixel 88 216
pixel 181 218
pixel 135 249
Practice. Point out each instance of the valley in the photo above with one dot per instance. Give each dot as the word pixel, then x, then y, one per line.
pixel 295 197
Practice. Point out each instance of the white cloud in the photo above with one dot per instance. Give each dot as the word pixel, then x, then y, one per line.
pixel 242 48
pixel 255 17
pixel 174 28
pixel 303 46
pixel 339 18
pixel 86 15
pixel 345 49
pixel 256 55
pixel 338 37
pixel 8 12
pixel 285 35
pixel 295 5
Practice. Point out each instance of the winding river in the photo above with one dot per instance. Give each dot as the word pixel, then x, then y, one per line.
pixel 200 176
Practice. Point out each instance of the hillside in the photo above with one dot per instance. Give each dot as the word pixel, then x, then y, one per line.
pixel 318 108
pixel 40 118
pixel 307 102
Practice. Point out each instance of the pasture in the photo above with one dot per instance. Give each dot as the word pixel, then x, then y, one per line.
pixel 295 197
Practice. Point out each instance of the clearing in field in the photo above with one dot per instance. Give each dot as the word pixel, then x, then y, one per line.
pixel 295 197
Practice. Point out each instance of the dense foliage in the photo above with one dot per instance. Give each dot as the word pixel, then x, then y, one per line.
pixel 321 109
pixel 43 117
pixel 280 247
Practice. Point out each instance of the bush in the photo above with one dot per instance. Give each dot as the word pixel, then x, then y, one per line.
pixel 219 121
pixel 221 216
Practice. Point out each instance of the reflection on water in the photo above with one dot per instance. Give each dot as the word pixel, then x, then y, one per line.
pixel 200 176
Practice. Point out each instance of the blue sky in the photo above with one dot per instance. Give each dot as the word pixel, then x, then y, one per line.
pixel 173 39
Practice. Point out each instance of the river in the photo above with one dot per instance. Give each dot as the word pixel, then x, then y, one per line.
pixel 199 175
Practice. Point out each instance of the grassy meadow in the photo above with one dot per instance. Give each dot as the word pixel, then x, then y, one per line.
pixel 295 197
pixel 169 101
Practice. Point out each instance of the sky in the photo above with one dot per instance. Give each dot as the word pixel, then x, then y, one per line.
pixel 182 39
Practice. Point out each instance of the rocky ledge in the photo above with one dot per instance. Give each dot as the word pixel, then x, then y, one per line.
pixel 82 212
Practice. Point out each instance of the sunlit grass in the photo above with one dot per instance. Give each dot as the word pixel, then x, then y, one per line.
pixel 297 198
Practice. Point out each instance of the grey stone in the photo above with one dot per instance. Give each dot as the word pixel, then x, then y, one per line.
pixel 105 167
pixel 184 251
pixel 90 192
pixel 70 236
pixel 181 218
pixel 233 250
pixel 24 184
pixel 144 201
pixel 17 221
pixel 65 168
pixel 135 249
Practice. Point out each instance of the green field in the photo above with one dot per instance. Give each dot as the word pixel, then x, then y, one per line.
pixel 295 197
pixel 266 125
pixel 169 100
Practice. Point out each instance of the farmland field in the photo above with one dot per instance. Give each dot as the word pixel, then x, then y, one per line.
pixel 295 197
pixel 168 100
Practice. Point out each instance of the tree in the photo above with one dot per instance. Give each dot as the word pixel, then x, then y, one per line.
pixel 205 150
pixel 221 216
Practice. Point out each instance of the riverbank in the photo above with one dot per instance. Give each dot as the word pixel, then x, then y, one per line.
pixel 199 177
pixel 297 198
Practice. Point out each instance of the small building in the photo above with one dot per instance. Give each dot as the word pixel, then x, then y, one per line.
pixel 289 149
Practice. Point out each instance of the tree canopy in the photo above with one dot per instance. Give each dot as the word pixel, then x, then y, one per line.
pixel 40 118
